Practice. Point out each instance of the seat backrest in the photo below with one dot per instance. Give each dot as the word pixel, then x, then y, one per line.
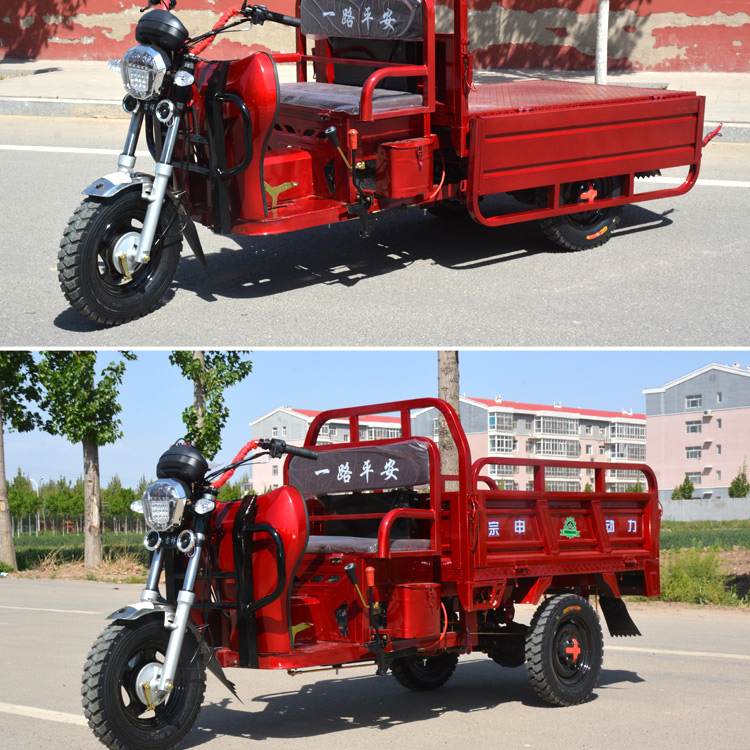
pixel 378 30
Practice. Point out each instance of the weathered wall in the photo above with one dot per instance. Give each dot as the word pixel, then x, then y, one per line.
pixel 644 34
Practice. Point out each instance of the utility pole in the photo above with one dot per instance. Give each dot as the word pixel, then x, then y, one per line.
pixel 602 34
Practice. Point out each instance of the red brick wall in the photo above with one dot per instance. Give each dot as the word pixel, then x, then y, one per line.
pixel 644 34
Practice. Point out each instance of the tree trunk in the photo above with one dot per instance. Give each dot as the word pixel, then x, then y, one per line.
pixel 199 392
pixel 92 546
pixel 7 547
pixel 448 390
pixel 602 40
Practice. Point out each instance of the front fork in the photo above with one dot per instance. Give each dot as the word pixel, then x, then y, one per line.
pixel 177 622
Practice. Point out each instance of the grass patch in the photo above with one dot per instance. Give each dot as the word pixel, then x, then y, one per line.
pixel 694 576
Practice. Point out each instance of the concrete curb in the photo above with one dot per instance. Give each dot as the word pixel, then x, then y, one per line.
pixel 731 132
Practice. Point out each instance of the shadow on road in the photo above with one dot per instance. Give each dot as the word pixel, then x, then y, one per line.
pixel 369 702
pixel 265 266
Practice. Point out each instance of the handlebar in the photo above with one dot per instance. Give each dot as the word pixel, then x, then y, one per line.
pixel 259 14
pixel 277 447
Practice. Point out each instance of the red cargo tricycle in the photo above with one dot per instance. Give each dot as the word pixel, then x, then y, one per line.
pixel 369 555
pixel 384 115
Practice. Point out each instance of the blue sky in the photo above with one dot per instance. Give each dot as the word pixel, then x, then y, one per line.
pixel 154 394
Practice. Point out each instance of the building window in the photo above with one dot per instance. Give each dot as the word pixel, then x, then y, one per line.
pixel 274 432
pixel 696 426
pixel 381 433
pixel 588 429
pixel 602 450
pixel 625 431
pixel 275 471
pixel 502 471
pixel 602 431
pixel 325 430
pixel 718 424
pixel 694 402
pixel 556 426
pixel 500 420
pixel 694 477
pixel 693 451
pixel 554 447
pixel 718 397
pixel 589 450
pixel 283 431
pixel 562 486
pixel 334 431
pixel 502 444
pixel 629 451
pixel 718 476
pixel 718 449
pixel 435 427
pixel 562 471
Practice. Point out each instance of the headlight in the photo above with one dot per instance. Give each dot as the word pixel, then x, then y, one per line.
pixel 143 70
pixel 162 504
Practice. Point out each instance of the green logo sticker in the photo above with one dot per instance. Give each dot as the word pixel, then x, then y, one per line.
pixel 569 529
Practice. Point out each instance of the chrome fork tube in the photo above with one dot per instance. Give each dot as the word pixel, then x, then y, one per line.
pixel 126 162
pixel 151 592
pixel 162 176
pixel 185 601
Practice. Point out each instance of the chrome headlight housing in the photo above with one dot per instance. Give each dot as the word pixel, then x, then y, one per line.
pixel 162 504
pixel 143 70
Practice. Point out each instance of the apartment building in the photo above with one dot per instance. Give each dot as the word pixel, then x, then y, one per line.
pixel 699 426
pixel 494 428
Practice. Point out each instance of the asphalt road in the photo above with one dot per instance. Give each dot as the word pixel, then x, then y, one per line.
pixel 676 272
pixel 684 684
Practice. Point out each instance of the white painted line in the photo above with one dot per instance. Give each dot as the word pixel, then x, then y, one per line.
pixel 40 609
pixel 55 100
pixel 707 183
pixel 69 150
pixel 42 713
pixel 667 652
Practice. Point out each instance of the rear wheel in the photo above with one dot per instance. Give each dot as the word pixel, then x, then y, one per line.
pixel 564 648
pixel 425 674
pixel 584 229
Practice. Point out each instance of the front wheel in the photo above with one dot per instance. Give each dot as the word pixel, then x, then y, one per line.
pixel 122 659
pixel 584 229
pixel 92 268
pixel 564 648
pixel 425 674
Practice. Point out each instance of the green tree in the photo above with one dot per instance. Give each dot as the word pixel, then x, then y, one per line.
pixel 637 487
pixel 233 490
pixel 117 499
pixel 684 491
pixel 212 373
pixel 19 394
pixel 739 486
pixel 22 499
pixel 84 411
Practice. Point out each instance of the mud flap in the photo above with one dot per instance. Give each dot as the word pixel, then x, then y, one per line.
pixel 617 617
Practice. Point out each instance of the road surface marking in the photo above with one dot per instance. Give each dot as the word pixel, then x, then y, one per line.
pixel 706 183
pixel 69 150
pixel 42 713
pixel 41 609
pixel 667 652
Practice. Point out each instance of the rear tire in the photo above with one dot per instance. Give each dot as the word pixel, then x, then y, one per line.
pixel 585 229
pixel 425 674
pixel 564 649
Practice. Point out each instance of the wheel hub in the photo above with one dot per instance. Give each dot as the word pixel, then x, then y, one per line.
pixel 146 685
pixel 123 254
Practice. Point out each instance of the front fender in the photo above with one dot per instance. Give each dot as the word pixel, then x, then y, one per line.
pixel 140 609
pixel 110 185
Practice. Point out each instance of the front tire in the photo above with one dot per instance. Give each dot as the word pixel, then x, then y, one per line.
pixel 585 229
pixel 90 269
pixel 111 702
pixel 564 648
pixel 425 674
